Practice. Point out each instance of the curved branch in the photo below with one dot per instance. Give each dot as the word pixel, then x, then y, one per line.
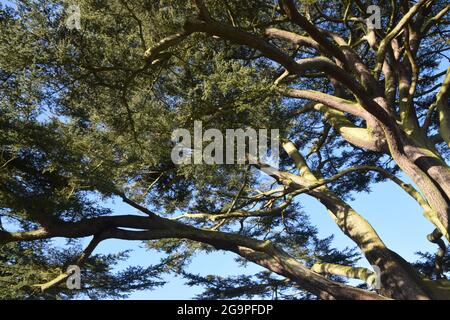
pixel 262 253
pixel 235 214
pixel 270 51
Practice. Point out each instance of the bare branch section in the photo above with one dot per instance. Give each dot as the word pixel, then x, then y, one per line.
pixel 333 109
pixel 329 100
pixel 426 26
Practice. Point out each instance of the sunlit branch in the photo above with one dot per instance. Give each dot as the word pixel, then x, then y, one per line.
pixel 346 271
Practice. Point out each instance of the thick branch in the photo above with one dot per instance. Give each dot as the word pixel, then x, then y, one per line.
pixel 292 38
pixel 170 41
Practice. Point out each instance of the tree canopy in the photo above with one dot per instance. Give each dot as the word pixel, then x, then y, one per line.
pixel 87 114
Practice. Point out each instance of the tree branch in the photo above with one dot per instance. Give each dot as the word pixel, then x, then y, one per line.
pixel 436 237
pixel 443 108
pixel 292 38
pixel 291 11
pixel 152 53
pixel 346 271
pixel 329 100
pixel 80 261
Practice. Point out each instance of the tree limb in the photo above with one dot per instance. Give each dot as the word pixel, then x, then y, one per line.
pixel 346 271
